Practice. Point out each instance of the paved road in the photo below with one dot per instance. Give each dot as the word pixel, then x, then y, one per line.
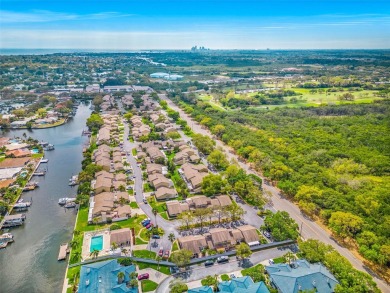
pixel 309 229
pixel 168 227
pixel 198 272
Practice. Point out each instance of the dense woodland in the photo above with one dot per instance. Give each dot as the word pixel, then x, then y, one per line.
pixel 332 160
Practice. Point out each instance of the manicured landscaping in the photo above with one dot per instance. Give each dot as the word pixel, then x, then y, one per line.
pixel 139 241
pixel 148 285
pixel 73 273
pixel 225 277
pixel 134 152
pixel 134 205
pixel 256 273
pixel 175 246
pixel 279 260
pixel 144 254
pixel 163 269
pixel 148 188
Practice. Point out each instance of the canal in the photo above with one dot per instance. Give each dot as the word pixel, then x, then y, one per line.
pixel 30 263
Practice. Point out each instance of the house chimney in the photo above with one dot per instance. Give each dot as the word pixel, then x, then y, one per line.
pixel 314 283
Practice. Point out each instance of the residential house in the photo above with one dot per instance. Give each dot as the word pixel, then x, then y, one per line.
pixel 122 237
pixel 103 277
pixel 242 285
pixel 301 276
pixel 164 193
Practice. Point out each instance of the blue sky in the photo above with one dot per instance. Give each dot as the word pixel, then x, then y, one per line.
pixel 180 24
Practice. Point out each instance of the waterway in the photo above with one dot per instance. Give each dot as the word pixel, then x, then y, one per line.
pixel 30 263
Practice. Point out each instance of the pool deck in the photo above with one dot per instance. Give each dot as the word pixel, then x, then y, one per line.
pixel 85 252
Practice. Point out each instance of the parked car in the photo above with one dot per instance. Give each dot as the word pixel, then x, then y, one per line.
pixel 232 276
pixel 144 221
pixel 148 225
pixel 209 263
pixel 271 261
pixel 161 252
pixel 145 201
pixel 267 234
pixel 143 276
pixel 129 187
pixel 156 236
pixel 222 259
pixel 147 222
pixel 166 254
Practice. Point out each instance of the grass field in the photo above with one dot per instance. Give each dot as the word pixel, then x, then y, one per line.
pixel 148 285
pixel 163 269
pixel 144 254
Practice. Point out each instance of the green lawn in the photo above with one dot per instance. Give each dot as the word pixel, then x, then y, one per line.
pixel 134 205
pixel 164 215
pixel 139 241
pixel 279 260
pixel 134 152
pixel 175 246
pixel 144 254
pixel 72 272
pixel 143 235
pixel 159 206
pixel 148 285
pixel 163 269
pixel 148 188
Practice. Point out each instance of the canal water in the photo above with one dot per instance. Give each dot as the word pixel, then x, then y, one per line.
pixel 30 263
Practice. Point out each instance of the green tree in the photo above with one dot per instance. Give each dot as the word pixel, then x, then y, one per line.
pixel 213 184
pixel 313 250
pixel 218 160
pixel 204 143
pixel 345 224
pixel 94 122
pixel 121 277
pixel 218 130
pixel 186 218
pixel 281 226
pixel 235 212
pixel 211 281
pixel 243 251
pixel 182 257
pixel 171 237
pixel 201 215
pixel 177 286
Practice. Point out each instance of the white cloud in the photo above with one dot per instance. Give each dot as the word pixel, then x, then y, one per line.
pixel 50 16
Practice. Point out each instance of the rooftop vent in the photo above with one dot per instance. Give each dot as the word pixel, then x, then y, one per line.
pixel 314 283
pixel 86 282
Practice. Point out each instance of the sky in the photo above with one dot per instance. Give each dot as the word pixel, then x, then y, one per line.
pixel 181 24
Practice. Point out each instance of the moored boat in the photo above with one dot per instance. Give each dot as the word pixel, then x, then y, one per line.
pixel 70 205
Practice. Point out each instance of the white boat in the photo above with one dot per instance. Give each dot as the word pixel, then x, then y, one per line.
pixel 65 200
pixel 49 147
pixel 21 205
pixel 44 160
pixel 70 205
pixel 6 237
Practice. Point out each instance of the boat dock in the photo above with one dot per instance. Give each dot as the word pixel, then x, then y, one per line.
pixel 13 220
pixel 64 250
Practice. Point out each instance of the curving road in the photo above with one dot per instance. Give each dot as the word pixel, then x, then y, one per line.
pixel 167 226
pixel 309 229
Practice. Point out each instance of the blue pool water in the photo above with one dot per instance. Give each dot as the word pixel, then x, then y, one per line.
pixel 96 243
pixel 35 151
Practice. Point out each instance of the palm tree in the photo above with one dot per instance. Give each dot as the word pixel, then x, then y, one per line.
pixel 74 244
pixel 133 275
pixel 158 258
pixel 94 253
pixel 76 233
pixel 114 246
pixel 149 235
pixel 76 256
pixel 289 257
pixel 121 276
pixel 171 237
pixel 133 283
pixel 155 212
pixel 124 251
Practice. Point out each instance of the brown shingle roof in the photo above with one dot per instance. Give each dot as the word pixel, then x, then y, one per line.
pixel 14 162
pixel 120 236
pixel 220 235
pixel 249 232
pixel 224 200
pixel 193 243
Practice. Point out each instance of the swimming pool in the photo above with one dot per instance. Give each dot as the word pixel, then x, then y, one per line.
pixel 96 243
pixel 35 151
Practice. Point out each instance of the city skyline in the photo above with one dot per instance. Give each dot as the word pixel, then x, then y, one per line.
pixel 135 25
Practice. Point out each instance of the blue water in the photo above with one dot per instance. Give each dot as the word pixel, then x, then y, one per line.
pixel 96 243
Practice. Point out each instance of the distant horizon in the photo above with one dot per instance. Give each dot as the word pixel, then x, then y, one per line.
pixel 178 25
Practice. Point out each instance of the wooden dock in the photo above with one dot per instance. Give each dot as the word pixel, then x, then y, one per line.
pixel 64 250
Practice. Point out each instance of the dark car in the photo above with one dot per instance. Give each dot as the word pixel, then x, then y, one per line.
pixel 145 201
pixel 143 276
pixel 147 222
pixel 209 263
pixel 161 252
pixel 267 234
pixel 156 236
